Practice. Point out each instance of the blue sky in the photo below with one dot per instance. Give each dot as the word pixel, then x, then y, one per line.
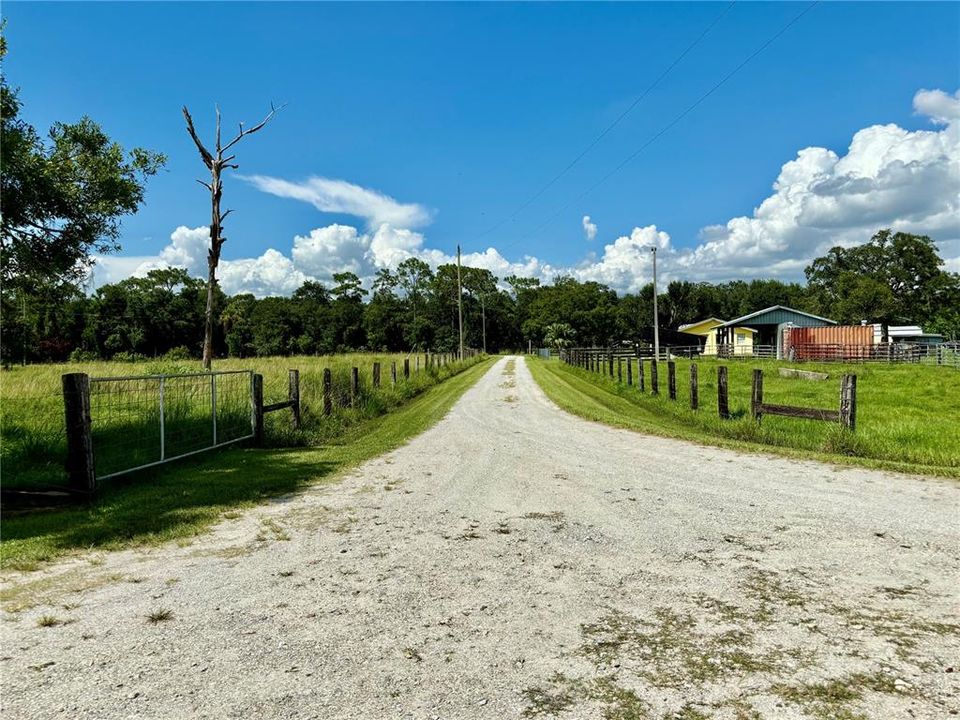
pixel 465 110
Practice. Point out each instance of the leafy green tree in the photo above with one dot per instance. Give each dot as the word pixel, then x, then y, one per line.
pixel 62 198
pixel 274 325
pixel 345 327
pixel 558 336
pixel 894 278
pixel 237 321
pixel 414 278
pixel 383 315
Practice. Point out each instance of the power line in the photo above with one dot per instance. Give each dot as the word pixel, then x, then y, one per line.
pixel 609 127
pixel 671 124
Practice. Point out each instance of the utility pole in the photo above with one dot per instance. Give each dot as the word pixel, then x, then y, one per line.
pixel 483 315
pixel 656 318
pixel 460 302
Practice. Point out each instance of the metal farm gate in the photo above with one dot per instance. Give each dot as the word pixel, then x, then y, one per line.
pixel 141 421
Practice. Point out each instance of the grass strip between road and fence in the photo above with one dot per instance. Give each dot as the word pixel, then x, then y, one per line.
pixel 905 422
pixel 186 498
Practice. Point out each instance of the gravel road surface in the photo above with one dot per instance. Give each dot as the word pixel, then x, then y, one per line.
pixel 515 561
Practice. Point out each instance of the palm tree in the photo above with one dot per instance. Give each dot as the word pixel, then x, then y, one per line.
pixel 558 336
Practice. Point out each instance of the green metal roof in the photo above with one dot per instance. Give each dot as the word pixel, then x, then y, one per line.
pixel 778 315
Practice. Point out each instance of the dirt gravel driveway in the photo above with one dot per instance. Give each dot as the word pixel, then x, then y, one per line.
pixel 517 561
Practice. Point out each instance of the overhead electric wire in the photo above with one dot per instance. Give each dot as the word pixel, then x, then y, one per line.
pixel 669 125
pixel 609 127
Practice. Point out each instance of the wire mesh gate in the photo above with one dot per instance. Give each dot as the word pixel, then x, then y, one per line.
pixel 140 421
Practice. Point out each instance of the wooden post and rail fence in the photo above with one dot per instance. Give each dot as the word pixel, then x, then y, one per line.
pixel 156 407
pixel 601 361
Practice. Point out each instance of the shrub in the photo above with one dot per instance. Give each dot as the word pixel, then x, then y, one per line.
pixel 127 356
pixel 181 352
pixel 83 356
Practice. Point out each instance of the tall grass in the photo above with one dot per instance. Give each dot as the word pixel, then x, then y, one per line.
pixel 907 414
pixel 126 422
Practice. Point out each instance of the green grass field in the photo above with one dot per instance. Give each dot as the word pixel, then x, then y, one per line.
pixel 907 415
pixel 184 498
pixel 126 415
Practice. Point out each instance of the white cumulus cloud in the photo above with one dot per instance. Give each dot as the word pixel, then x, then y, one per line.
pixel 589 228
pixel 887 177
pixel 939 106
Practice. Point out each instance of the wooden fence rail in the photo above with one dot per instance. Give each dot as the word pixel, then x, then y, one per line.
pixel 846 415
pixel 601 361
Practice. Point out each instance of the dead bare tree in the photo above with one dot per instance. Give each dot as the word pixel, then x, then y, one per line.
pixel 216 163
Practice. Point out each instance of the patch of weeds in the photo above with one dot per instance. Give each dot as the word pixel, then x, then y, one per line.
pixel 901 629
pixel 552 699
pixel 48 621
pixel 232 514
pixel 135 579
pixel 898 592
pixel 740 541
pixel 831 700
pixel 285 573
pixel 742 710
pixel 843 441
pixel 276 529
pixel 233 551
pixel 770 590
pixel 672 650
pixel 411 653
pixel 560 693
pixel 159 615
pixel 510 399
pixel 470 534
pixel 345 525
pixel 510 368
pixel 502 528
pixel 554 515
pixel 47 590
pixel 689 712
pixel 170 582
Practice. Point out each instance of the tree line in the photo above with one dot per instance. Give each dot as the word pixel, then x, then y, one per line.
pixel 894 278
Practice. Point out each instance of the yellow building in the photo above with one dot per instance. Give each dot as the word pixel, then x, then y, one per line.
pixel 743 344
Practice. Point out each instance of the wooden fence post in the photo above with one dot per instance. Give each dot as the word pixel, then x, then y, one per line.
pixel 619 370
pixel 722 408
pixel 418 363
pixel 756 396
pixel 629 371
pixel 848 401
pixel 640 381
pixel 354 386
pixel 406 368
pixel 610 362
pixel 327 392
pixel 654 383
pixel 694 388
pixel 672 379
pixel 258 409
pixel 393 372
pixel 376 374
pixel 76 407
pixel 293 393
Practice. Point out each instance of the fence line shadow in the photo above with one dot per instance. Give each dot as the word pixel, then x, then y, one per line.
pixel 169 502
